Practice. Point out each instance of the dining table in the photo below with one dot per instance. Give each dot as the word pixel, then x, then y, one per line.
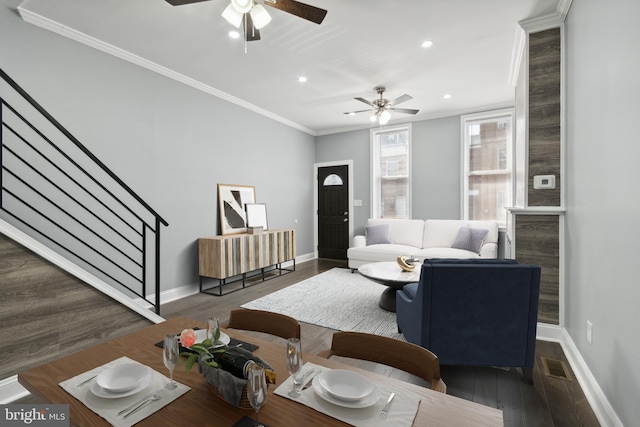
pixel 199 406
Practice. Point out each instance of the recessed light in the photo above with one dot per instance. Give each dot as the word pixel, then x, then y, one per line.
pixel 447 96
pixel 302 79
pixel 427 43
pixel 234 34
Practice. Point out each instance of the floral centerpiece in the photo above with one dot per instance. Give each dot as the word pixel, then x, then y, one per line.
pixel 217 361
pixel 207 348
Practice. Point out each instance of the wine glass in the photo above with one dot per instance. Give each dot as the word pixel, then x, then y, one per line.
pixel 256 389
pixel 170 354
pixel 294 364
pixel 213 326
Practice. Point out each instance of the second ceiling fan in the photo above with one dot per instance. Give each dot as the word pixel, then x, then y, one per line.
pixel 254 16
pixel 382 107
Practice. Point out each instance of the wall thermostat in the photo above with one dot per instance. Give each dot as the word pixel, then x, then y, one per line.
pixel 544 182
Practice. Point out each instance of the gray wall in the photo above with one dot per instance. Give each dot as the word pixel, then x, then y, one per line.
pixel 435 166
pixel 170 143
pixel 603 203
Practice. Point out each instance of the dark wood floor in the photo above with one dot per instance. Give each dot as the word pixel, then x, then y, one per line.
pixel 548 402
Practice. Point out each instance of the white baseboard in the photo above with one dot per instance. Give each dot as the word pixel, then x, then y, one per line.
pixel 188 290
pixel 11 390
pixel 60 261
pixel 596 398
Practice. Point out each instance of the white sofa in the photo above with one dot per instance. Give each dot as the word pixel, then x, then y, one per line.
pixel 432 238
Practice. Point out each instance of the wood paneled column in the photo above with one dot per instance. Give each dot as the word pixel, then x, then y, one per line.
pixel 535 227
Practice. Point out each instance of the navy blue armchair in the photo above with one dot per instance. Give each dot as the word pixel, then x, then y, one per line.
pixel 480 312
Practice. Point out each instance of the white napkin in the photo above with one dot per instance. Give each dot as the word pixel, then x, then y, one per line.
pixel 109 408
pixel 403 409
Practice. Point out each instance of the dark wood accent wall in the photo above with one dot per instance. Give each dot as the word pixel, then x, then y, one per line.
pixel 538 243
pixel 47 313
pixel 544 114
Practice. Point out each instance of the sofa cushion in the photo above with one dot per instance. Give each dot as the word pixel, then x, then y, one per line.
pixel 444 253
pixel 377 234
pixel 440 233
pixel 498 261
pixel 378 253
pixel 470 239
pixel 403 231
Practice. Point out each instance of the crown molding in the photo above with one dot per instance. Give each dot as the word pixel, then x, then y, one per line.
pixel 48 24
pixel 534 25
pixel 546 22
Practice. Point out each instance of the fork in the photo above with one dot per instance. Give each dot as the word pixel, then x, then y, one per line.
pixel 385 409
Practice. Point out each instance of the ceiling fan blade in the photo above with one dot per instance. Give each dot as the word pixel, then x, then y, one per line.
pixel 404 110
pixel 302 10
pixel 251 33
pixel 359 111
pixel 181 2
pixel 400 99
pixel 365 101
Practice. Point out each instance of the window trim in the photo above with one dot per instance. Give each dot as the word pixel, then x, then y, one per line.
pixel 464 158
pixel 373 155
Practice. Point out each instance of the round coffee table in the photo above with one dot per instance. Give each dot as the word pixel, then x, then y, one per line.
pixel 389 274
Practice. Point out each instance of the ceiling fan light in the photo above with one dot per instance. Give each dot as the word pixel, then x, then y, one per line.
pixel 260 16
pixel 232 16
pixel 384 117
pixel 373 118
pixel 242 6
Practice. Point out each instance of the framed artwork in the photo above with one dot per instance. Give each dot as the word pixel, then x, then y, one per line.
pixel 231 201
pixel 256 215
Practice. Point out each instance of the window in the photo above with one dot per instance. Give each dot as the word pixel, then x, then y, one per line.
pixel 332 180
pixel 390 172
pixel 487 141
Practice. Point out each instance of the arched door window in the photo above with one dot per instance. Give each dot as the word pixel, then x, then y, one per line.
pixel 332 179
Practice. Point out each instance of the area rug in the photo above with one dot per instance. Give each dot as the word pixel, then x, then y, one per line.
pixel 336 299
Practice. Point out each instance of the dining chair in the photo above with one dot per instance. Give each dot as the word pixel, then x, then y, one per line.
pixel 264 321
pixel 398 354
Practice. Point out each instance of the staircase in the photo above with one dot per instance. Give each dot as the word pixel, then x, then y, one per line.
pixel 53 189
pixel 79 249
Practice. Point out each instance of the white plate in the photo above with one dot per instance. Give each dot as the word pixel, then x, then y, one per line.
pixel 345 385
pixel 100 392
pixel 201 335
pixel 124 377
pixel 370 400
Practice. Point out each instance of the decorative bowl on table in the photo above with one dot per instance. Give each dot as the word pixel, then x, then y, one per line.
pixel 406 263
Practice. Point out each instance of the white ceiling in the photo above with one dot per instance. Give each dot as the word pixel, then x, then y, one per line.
pixel 360 45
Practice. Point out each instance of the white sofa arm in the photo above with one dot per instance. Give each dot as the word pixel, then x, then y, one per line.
pixel 359 241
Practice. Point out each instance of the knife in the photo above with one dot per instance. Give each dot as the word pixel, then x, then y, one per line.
pixel 308 383
pixel 128 408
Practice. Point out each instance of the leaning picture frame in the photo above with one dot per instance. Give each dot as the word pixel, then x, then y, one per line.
pixel 231 203
pixel 256 215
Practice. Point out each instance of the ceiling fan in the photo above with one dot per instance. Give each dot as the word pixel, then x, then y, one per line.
pixel 382 107
pixel 254 16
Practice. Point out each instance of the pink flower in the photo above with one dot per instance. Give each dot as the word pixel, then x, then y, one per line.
pixel 188 337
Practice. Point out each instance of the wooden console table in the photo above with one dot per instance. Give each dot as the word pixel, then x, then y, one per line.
pixel 223 257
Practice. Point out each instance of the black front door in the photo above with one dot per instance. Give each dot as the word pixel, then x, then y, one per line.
pixel 333 212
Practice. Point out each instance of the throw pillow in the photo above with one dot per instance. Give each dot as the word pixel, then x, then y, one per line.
pixel 376 234
pixel 470 239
